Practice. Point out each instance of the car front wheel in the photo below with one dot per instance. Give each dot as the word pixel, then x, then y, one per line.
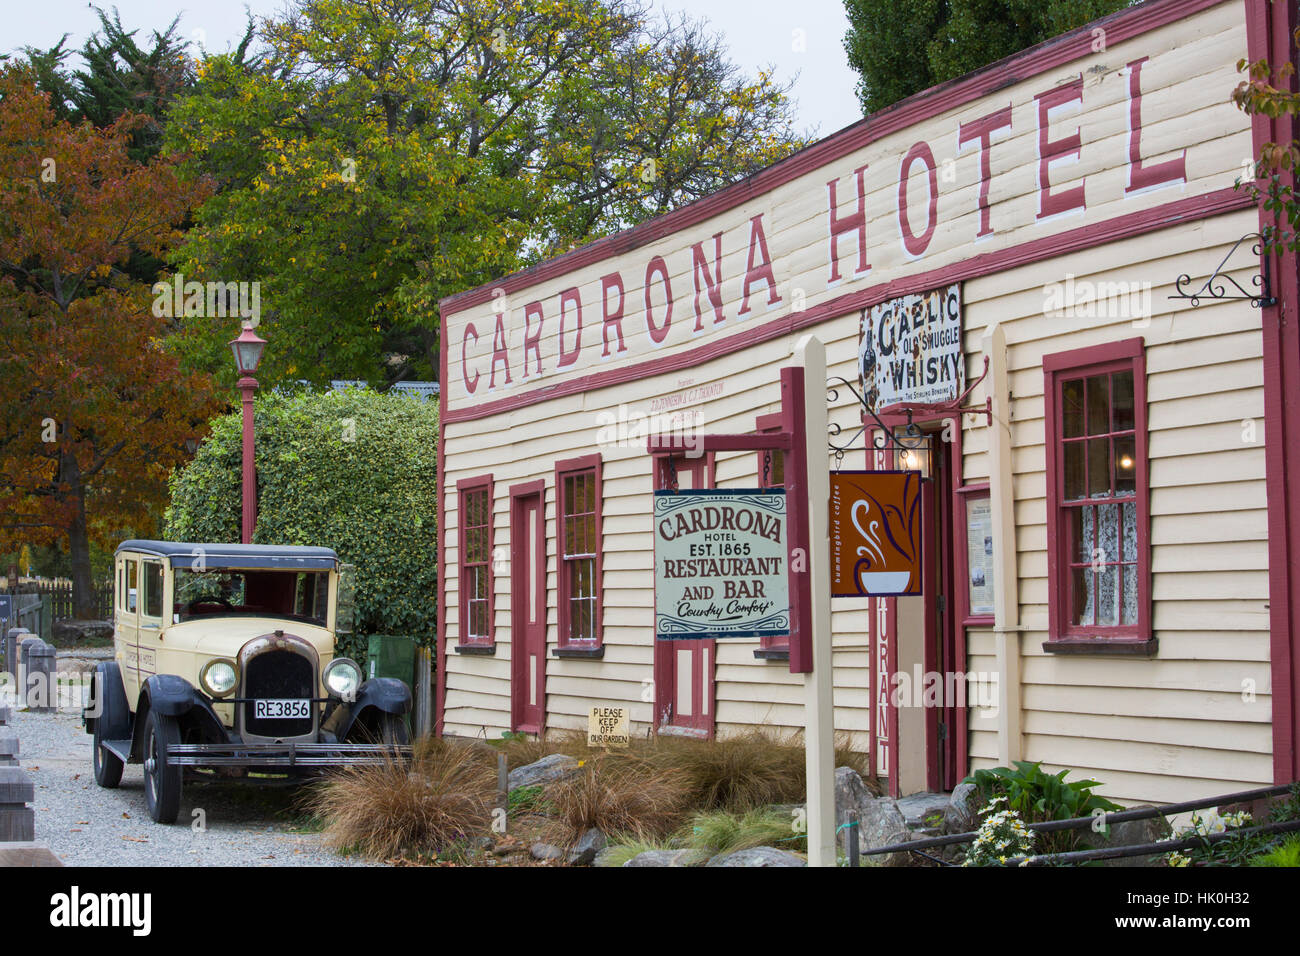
pixel 162 779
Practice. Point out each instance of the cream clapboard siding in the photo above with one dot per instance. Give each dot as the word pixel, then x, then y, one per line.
pixel 1152 730
pixel 1180 725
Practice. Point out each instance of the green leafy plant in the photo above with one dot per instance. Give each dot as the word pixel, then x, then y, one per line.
pixel 1038 796
pixel 526 800
pixel 1243 849
pixel 1286 853
pixel 723 832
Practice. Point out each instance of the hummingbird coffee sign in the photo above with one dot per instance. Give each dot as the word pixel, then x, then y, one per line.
pixel 875 531
pixel 721 564
pixel 910 350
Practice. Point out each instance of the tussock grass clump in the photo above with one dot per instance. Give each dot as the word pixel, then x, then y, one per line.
pixel 722 832
pixel 441 799
pixel 618 794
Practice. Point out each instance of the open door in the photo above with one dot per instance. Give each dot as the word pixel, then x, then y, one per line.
pixel 684 684
pixel 528 608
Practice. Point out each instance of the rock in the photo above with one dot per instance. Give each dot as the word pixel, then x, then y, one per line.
pixel 758 856
pixel 962 813
pixel 1134 833
pixel 583 853
pixel 547 770
pixel 8 748
pixel 923 811
pixel 486 844
pixel 881 823
pixel 73 633
pixel 668 858
pixel 545 851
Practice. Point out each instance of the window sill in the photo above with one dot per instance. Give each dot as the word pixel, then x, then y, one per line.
pixel 772 654
pixel 1103 647
pixel 579 653
pixel 482 650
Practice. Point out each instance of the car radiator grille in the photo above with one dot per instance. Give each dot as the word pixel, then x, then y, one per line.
pixel 278 675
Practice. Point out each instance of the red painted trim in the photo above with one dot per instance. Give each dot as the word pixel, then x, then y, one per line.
pixel 1110 357
pixel 569 466
pixel 1269 28
pixel 767 424
pixel 1035 250
pixel 440 598
pixel 794 421
pixel 464 485
pixel 519 612
pixel 918 108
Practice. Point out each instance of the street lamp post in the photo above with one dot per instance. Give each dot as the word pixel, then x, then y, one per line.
pixel 248 354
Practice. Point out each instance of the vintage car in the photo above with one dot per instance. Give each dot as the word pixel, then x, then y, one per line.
pixel 224 663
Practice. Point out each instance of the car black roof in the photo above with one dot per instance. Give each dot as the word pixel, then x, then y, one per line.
pixel 188 554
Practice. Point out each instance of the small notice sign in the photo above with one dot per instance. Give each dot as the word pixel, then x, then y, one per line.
pixel 721 559
pixel 608 727
pixel 876 523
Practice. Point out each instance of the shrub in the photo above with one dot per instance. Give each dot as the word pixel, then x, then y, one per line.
pixel 1038 796
pixel 351 470
pixel 440 800
pixel 617 794
pixel 1286 853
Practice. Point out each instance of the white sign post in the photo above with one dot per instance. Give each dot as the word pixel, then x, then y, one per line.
pixel 819 715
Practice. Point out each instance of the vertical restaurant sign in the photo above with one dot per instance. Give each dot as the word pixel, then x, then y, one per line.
pixel 875 529
pixel 721 564
pixel 910 350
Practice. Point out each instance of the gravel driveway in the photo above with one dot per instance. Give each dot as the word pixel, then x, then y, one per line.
pixel 86 825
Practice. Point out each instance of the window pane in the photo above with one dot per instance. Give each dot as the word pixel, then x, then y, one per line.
pixel 1107 534
pixel 568 495
pixel 1107 597
pixel 1081 525
pixel 1098 404
pixel 1098 468
pixel 1072 408
pixel 1081 593
pixel 132 588
pixel 1130 537
pixel 1122 386
pixel 1074 471
pixel 568 537
pixel 153 576
pixel 1125 465
pixel 1129 607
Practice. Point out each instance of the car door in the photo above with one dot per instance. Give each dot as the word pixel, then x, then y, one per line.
pixel 150 629
pixel 126 623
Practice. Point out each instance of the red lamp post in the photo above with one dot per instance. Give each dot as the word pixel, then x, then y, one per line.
pixel 248 354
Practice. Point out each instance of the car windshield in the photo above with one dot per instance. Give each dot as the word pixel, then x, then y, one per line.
pixel 299 595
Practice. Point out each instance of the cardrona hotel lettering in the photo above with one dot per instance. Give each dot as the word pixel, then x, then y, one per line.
pixel 605 322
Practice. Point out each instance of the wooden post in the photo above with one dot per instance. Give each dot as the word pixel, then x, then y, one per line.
pixel 819 713
pixel 423 691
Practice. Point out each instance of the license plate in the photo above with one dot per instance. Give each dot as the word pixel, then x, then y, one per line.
pixel 281 709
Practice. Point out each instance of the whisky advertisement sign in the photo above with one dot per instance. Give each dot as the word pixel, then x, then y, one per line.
pixel 875 519
pixel 721 563
pixel 910 350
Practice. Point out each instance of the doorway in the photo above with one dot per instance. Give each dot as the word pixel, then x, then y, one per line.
pixel 528 608
pixel 684 670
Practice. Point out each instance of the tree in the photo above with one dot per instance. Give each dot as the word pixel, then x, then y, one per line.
pixel 900 47
pixel 1269 91
pixel 373 158
pixel 352 470
pixel 94 411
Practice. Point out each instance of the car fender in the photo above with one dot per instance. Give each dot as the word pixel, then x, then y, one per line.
pixel 107 706
pixel 176 697
pixel 386 694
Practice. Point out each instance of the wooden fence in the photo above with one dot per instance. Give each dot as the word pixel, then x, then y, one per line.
pixel 57 599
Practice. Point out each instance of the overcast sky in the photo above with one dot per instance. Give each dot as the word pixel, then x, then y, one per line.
pixel 757 32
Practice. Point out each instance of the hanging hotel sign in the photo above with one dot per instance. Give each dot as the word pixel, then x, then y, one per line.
pixel 721 564
pixel 875 519
pixel 910 350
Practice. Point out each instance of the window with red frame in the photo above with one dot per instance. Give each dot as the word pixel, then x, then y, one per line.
pixel 1097 492
pixel 578 493
pixel 476 561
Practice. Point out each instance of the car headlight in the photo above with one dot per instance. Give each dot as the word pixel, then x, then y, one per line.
pixel 218 677
pixel 342 677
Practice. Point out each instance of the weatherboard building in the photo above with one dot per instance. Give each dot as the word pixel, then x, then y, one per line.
pixel 1108 544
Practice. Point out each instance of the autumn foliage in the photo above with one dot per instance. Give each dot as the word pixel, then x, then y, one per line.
pixel 94 411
